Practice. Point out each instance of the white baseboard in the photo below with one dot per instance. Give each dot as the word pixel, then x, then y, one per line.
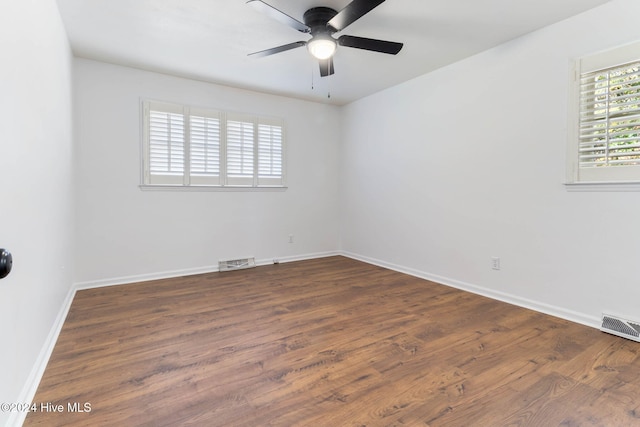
pixel 27 394
pixel 541 307
pixel 123 280
pixel 294 258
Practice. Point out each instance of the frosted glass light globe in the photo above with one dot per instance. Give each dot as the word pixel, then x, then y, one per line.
pixel 322 47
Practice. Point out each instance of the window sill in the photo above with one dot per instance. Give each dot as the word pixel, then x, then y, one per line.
pixel 197 188
pixel 621 186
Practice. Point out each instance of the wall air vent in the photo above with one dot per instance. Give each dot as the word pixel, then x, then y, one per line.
pixel 236 264
pixel 621 327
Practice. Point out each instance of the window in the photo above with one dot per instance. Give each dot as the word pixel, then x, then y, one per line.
pixel 191 147
pixel 605 137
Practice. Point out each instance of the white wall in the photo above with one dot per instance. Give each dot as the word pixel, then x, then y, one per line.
pixel 468 162
pixel 124 233
pixel 433 177
pixel 36 200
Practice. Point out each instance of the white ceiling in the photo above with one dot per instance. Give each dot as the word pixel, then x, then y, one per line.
pixel 209 39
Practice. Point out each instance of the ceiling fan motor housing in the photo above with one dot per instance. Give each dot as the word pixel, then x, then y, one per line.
pixel 316 18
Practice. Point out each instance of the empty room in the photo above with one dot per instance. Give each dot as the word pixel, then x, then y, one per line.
pixel 320 213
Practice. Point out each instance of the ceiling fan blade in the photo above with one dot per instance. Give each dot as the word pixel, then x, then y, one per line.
pixel 326 67
pixel 381 46
pixel 279 16
pixel 278 49
pixel 352 12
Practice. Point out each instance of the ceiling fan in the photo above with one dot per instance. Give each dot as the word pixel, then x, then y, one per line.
pixel 322 23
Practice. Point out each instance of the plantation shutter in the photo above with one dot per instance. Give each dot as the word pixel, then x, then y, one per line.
pixel 609 116
pixel 165 148
pixel 188 146
pixel 270 152
pixel 205 143
pixel 240 150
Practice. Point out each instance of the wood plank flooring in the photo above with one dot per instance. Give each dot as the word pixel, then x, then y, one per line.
pixel 328 342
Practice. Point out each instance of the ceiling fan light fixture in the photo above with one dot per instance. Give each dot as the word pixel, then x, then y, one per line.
pixel 322 46
pixel 322 23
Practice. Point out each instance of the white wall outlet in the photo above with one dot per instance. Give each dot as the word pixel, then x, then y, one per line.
pixel 495 263
pixel 290 238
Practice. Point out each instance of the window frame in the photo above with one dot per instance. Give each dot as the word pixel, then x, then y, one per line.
pixel 602 178
pixel 224 180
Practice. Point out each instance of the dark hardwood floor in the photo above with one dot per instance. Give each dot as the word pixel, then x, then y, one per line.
pixel 328 342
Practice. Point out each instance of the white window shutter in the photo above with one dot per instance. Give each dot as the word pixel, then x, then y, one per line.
pixel 205 143
pixel 270 152
pixel 607 133
pixel 187 146
pixel 610 117
pixel 165 149
pixel 240 150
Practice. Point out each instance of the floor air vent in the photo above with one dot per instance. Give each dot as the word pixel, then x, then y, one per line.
pixel 620 327
pixel 236 264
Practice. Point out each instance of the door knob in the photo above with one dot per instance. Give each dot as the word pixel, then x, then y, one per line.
pixel 6 261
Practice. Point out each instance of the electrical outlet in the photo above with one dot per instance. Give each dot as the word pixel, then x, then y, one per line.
pixel 290 238
pixel 495 263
